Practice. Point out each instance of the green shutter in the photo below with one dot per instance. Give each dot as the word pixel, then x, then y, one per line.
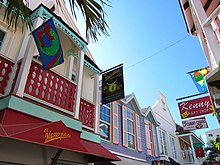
pixel 115 123
pixel 124 119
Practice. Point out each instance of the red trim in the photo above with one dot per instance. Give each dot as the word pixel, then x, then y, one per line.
pixel 96 149
pixel 28 128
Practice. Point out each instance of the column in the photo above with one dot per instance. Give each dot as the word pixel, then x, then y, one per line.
pixel 96 101
pixel 70 62
pixel 79 76
pixel 28 50
pixel 193 150
pixel 208 31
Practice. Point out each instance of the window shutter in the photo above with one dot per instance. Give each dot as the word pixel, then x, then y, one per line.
pixel 147 129
pixel 138 128
pixel 115 122
pixel 124 119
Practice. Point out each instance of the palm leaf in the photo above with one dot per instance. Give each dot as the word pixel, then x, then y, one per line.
pixel 17 9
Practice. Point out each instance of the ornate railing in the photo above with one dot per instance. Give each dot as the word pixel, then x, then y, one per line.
pixel 5 71
pixel 86 113
pixel 50 87
pixel 187 156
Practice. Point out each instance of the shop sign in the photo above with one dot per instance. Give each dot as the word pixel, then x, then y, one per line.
pixel 193 124
pixel 195 107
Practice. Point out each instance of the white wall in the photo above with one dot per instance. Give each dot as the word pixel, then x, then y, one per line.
pixel 212 134
pixel 166 122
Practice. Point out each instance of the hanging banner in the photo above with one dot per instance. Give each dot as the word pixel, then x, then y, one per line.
pixel 196 107
pixel 112 85
pixel 48 44
pixel 193 124
pixel 199 80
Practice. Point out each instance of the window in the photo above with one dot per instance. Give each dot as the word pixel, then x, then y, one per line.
pixel 173 147
pixel 149 138
pixel 130 122
pixel 105 121
pixel 164 105
pixel 210 135
pixel 163 142
pixel 131 129
pixel 2 37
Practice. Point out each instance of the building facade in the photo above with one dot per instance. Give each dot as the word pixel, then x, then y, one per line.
pixel 122 128
pixel 168 144
pixel 212 134
pixel 202 19
pixel 191 146
pixel 48 116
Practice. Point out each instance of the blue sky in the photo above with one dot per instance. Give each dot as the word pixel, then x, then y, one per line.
pixel 145 32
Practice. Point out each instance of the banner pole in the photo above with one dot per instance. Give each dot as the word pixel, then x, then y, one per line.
pixel 190 96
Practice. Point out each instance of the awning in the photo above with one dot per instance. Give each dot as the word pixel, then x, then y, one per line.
pixel 28 128
pixel 129 161
pixel 98 150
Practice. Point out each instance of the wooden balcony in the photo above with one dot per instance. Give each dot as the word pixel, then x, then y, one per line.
pixel 87 113
pixel 5 71
pixel 49 88
pixel 187 156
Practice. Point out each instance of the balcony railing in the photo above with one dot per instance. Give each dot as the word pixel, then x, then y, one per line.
pixel 50 87
pixel 86 113
pixel 5 71
pixel 187 156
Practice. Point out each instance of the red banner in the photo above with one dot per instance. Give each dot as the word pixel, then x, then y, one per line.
pixel 196 107
pixel 193 124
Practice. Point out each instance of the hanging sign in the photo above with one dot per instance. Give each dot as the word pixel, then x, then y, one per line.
pixel 112 85
pixel 195 107
pixel 193 124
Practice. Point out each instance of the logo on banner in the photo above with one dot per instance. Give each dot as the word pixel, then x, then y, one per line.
pixel 112 85
pixel 196 107
pixel 193 124
pixel 48 45
pixel 51 136
pixel 199 80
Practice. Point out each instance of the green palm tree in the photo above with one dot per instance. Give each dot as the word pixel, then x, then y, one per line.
pixel 92 11
pixel 213 149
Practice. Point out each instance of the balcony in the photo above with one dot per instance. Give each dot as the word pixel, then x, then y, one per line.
pixel 5 71
pixel 49 88
pixel 187 156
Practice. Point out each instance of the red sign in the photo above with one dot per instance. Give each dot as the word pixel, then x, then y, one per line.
pixel 193 124
pixel 196 107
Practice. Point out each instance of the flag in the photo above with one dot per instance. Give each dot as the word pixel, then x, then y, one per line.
pixel 199 80
pixel 48 44
pixel 112 85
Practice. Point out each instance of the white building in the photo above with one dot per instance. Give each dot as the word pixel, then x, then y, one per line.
pixel 168 144
pixel 212 134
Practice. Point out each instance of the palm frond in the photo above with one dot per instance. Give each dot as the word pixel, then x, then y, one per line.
pixel 94 15
pixel 16 10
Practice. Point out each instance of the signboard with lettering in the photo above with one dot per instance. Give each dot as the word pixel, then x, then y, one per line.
pixel 112 85
pixel 193 124
pixel 196 107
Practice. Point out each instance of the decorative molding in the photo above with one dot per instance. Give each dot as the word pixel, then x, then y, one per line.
pixel 45 15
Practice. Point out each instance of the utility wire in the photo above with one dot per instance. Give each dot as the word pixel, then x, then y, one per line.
pixel 169 46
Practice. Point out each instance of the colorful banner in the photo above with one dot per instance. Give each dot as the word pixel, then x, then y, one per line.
pixel 48 45
pixel 199 80
pixel 193 124
pixel 112 85
pixel 196 107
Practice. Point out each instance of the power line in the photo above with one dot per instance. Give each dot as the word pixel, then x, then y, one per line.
pixel 169 46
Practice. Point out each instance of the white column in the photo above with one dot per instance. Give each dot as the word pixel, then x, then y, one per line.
pixel 69 69
pixel 96 101
pixel 28 51
pixel 79 76
pixel 208 31
pixel 193 150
